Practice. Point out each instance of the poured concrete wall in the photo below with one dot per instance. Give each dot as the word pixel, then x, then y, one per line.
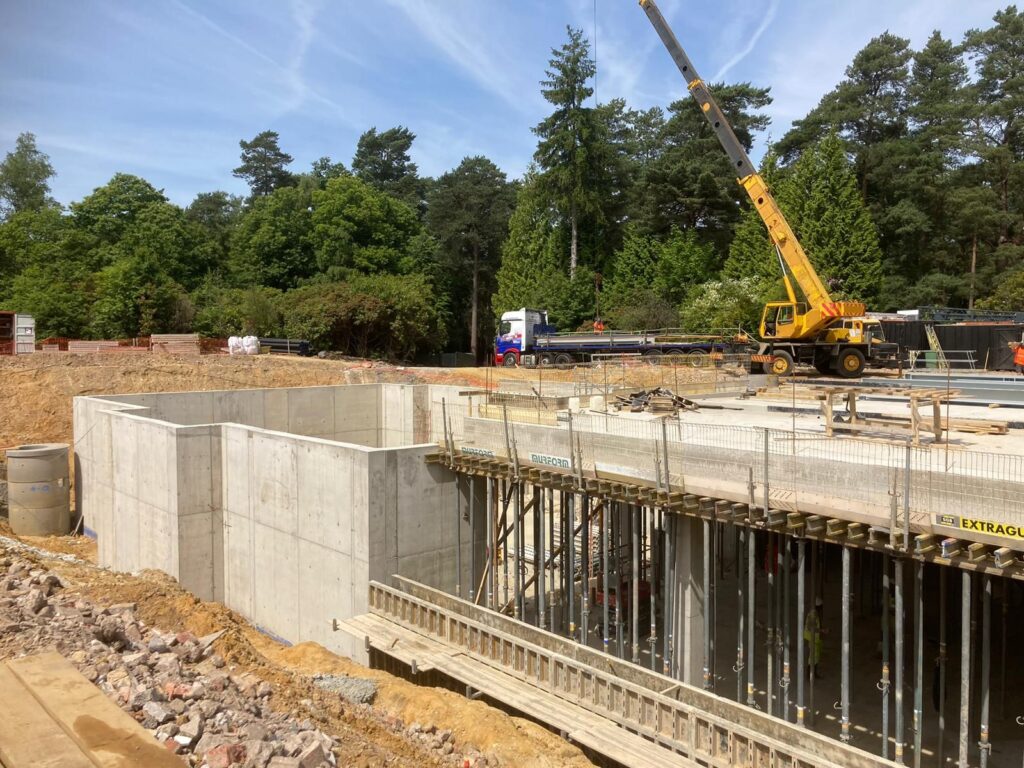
pixel 278 503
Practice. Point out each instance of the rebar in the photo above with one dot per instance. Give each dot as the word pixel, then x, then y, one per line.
pixel 458 535
pixel 741 610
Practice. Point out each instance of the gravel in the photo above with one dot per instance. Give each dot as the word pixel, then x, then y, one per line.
pixel 356 690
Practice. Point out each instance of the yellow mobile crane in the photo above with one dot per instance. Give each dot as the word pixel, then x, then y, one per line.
pixel 834 336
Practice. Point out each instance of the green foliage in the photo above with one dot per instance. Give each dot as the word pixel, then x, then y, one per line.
pixel 393 316
pixel 135 297
pixel 25 177
pixel 652 277
pixel 819 198
pixel 531 274
pixel 264 164
pixel 1008 296
pixel 59 296
pixel 357 229
pixel 109 210
pixel 691 183
pixel 270 245
pixel 221 312
pixel 723 305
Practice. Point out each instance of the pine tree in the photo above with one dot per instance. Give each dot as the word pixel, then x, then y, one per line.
pixel 832 222
pixel 567 152
pixel 820 199
pixel 263 164
pixel 751 253
pixel 530 274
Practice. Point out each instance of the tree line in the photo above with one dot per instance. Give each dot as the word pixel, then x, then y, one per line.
pixel 905 184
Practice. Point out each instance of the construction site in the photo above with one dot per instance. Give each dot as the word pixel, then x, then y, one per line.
pixel 799 545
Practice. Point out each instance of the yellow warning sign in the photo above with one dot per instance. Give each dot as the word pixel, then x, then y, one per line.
pixel 990 527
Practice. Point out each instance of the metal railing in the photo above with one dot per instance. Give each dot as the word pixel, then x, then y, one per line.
pixel 804 471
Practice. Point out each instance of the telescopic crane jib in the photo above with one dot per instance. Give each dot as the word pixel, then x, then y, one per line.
pixel 832 335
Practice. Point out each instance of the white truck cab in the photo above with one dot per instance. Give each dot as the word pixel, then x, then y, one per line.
pixel 516 334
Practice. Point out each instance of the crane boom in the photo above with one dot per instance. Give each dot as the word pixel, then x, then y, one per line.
pixel 821 309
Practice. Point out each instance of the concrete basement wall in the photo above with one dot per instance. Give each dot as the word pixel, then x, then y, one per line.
pixel 286 527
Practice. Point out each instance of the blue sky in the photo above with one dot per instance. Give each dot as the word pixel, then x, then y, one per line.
pixel 166 88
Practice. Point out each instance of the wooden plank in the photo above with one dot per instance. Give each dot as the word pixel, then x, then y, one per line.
pixel 101 729
pixel 29 737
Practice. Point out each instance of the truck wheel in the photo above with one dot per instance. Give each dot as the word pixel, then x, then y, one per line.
pixel 675 356
pixel 510 360
pixel 696 358
pixel 824 367
pixel 781 364
pixel 564 360
pixel 850 363
pixel 544 361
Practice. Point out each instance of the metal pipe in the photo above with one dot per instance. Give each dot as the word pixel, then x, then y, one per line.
pixel 458 535
pixel 517 553
pixel 918 659
pixel 906 499
pixel 490 543
pixel 741 610
pixel 814 656
pixel 785 627
pixel 770 642
pixel 605 524
pixel 667 598
pixel 986 627
pixel 617 564
pixel 551 537
pixel 801 607
pixel 898 703
pixel 884 685
pixel 472 538
pixel 634 603
pixel 751 599
pixel 943 600
pixel 570 515
pixel 707 593
pixel 540 558
pixel 965 667
pixel 844 734
pixel 585 570
pixel 653 581
pixel 506 550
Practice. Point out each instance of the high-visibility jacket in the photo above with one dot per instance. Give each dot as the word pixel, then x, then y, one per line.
pixel 1018 355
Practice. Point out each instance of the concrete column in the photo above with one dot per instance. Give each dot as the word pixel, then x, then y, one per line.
pixel 689 618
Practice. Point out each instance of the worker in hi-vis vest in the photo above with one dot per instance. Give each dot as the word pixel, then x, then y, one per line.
pixel 812 636
pixel 1018 357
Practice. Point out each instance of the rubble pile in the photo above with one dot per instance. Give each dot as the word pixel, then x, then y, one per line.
pixel 175 684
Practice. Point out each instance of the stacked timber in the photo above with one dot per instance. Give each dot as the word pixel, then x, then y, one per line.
pixel 175 343
pixel 659 400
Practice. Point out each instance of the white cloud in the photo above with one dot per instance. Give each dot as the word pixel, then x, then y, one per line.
pixel 484 53
pixel 767 19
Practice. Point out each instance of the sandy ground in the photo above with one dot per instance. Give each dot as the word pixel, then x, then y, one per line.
pixel 35 406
